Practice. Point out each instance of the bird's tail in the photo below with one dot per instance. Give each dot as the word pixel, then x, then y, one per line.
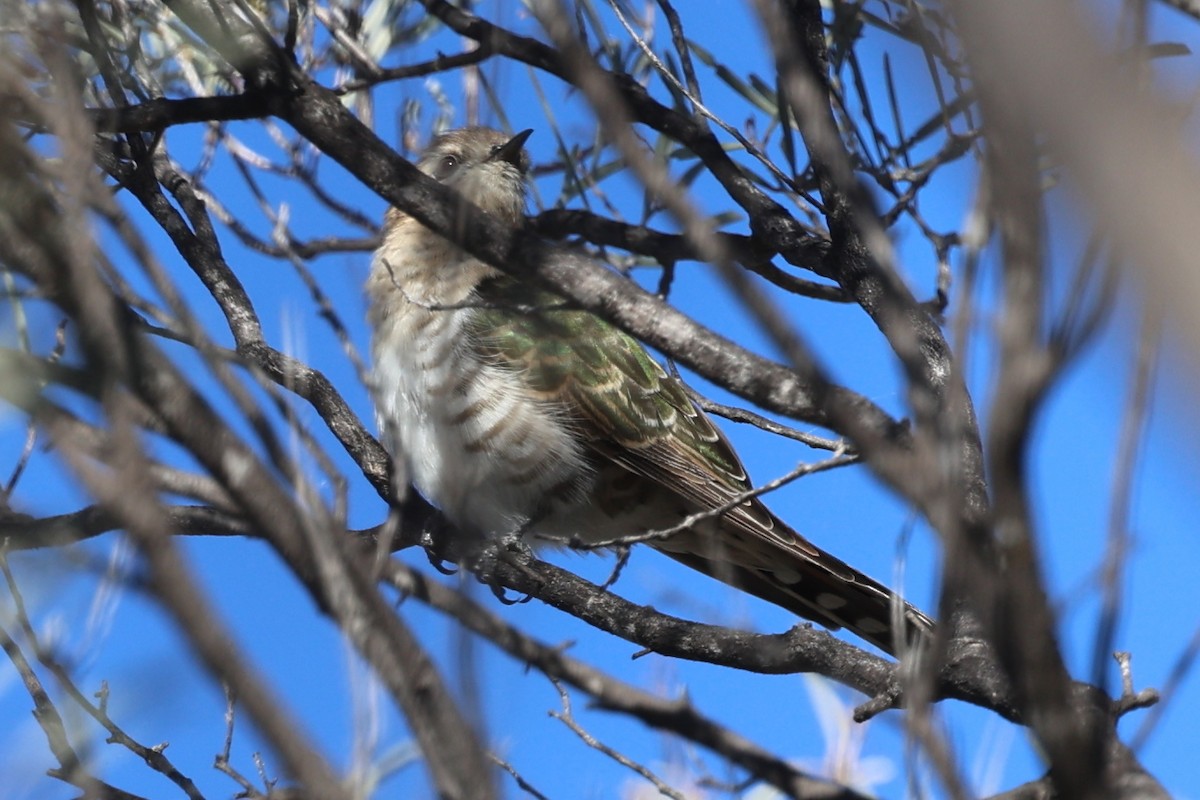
pixel 785 569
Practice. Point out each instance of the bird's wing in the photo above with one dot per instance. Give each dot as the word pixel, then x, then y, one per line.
pixel 624 405
pixel 632 413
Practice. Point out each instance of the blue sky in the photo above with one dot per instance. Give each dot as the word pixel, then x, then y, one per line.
pixel 158 695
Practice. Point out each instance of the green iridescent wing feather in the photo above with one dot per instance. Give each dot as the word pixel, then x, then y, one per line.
pixel 628 409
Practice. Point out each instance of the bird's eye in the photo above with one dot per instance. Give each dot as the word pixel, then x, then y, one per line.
pixel 446 165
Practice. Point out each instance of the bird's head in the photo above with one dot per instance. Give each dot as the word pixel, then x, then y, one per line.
pixel 484 165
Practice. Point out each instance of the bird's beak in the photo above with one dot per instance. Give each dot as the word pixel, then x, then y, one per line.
pixel 510 151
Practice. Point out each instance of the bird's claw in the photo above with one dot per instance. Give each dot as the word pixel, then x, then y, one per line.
pixel 439 563
pixel 435 550
pixel 490 554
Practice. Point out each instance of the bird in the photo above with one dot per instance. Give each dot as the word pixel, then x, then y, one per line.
pixel 519 414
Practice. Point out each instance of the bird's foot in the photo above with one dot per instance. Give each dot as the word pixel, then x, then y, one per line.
pixel 439 550
pixel 489 560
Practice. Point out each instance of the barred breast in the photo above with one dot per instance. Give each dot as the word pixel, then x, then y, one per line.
pixel 468 434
